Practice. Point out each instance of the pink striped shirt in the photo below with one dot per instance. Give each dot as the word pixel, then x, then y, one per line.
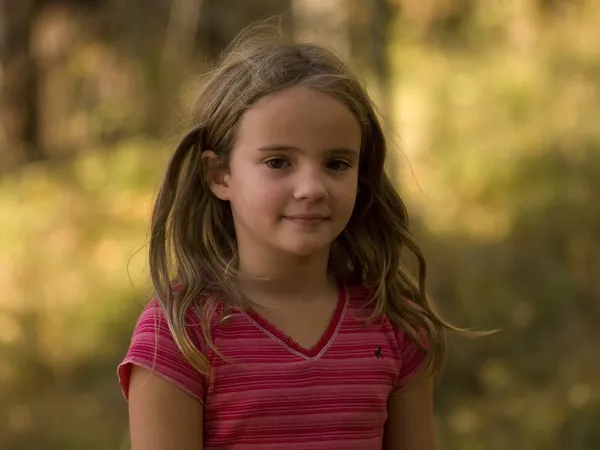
pixel 274 394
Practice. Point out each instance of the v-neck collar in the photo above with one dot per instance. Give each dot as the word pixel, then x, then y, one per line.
pixel 290 344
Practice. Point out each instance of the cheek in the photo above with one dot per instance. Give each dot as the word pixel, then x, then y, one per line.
pixel 257 198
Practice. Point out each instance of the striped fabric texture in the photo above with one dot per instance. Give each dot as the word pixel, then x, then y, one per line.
pixel 270 393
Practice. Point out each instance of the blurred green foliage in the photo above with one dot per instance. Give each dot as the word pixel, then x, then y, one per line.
pixel 494 106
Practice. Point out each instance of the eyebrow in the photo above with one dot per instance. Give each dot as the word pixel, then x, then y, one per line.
pixel 291 148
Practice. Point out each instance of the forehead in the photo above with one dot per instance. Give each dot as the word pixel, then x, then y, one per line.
pixel 301 116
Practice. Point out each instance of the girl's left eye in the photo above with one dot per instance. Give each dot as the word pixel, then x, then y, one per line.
pixel 277 163
pixel 338 164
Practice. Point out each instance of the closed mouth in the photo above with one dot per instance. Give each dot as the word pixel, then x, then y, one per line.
pixel 307 218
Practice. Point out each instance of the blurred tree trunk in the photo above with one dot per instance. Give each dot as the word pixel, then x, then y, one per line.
pixel 19 76
pixel 180 34
pixel 378 37
pixel 222 20
pixel 370 25
pixel 324 22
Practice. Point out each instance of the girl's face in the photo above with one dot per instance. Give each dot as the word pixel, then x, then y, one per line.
pixel 293 173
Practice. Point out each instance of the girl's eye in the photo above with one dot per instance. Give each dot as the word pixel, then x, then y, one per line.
pixel 277 163
pixel 338 165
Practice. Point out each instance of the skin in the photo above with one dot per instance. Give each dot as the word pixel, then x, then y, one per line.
pixel 291 184
pixel 296 156
pixel 410 424
pixel 162 416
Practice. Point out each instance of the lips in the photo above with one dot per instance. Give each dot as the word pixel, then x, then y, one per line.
pixel 307 219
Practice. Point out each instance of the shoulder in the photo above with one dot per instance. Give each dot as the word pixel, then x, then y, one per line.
pixel 154 347
pixel 360 297
pixel 152 325
pixel 411 354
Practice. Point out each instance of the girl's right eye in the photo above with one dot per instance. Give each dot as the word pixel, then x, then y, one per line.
pixel 277 163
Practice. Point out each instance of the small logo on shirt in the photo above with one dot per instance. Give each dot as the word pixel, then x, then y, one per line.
pixel 378 353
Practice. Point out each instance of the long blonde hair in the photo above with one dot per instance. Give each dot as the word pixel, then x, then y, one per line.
pixel 193 238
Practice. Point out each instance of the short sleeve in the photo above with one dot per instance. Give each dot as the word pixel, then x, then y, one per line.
pixel 412 357
pixel 153 348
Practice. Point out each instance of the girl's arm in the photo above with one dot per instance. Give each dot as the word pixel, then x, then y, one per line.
pixel 161 415
pixel 410 417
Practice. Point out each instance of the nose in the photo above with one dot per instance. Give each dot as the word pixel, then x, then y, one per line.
pixel 310 185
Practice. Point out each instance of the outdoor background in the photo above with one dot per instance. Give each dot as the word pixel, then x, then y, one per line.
pixel 493 113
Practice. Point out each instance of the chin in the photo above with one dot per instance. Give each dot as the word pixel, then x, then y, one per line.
pixel 305 249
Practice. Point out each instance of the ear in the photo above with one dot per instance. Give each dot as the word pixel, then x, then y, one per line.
pixel 217 180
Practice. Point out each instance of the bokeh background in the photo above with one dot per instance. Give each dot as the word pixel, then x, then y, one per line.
pixel 492 108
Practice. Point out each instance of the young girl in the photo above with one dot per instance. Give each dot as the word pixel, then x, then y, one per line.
pixel 283 316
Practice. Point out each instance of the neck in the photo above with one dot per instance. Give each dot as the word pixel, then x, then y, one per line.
pixel 283 278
